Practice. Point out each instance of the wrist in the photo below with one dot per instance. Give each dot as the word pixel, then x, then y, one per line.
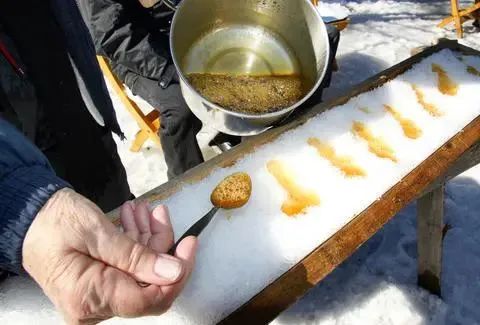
pixel 24 191
pixel 41 230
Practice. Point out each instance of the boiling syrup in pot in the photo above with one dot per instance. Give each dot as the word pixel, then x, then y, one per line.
pixel 249 94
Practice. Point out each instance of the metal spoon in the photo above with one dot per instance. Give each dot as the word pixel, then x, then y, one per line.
pixel 232 192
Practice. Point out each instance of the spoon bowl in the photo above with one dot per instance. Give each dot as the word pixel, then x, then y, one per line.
pixel 232 192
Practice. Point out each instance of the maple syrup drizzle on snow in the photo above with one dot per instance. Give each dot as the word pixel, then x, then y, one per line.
pixel 376 145
pixel 344 163
pixel 430 108
pixel 410 129
pixel 445 84
pixel 299 199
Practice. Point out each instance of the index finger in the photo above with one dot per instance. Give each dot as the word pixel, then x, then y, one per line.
pixel 161 228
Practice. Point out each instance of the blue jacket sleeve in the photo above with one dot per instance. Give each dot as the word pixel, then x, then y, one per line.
pixel 27 181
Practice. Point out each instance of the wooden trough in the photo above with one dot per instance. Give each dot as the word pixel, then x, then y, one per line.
pixel 425 182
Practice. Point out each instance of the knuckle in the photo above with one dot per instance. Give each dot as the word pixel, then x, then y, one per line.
pixel 136 255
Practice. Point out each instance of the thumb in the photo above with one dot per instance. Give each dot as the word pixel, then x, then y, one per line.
pixel 144 264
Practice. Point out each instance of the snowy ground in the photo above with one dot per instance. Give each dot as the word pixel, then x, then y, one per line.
pixel 377 285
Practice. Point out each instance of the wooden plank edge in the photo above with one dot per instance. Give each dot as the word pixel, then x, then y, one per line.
pixel 293 284
pixel 466 161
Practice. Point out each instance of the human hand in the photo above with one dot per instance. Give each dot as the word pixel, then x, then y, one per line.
pixel 152 229
pixel 90 269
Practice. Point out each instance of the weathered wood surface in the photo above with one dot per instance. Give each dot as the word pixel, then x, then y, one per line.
pixel 466 161
pixel 284 291
pixel 429 239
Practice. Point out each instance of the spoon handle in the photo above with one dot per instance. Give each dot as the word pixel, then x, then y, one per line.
pixel 196 229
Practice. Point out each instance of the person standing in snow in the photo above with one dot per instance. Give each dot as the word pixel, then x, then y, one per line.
pixel 135 40
pixel 51 40
pixel 134 36
pixel 86 266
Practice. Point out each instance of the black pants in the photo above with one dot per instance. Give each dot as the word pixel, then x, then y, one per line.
pixel 178 125
pixel 84 153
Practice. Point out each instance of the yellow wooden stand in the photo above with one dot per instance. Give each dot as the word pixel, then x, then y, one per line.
pixel 459 16
pixel 149 124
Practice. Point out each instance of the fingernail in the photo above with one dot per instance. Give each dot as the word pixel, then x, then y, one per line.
pixel 147 205
pixel 167 267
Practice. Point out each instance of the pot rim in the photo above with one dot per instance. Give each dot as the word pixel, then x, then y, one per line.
pixel 281 112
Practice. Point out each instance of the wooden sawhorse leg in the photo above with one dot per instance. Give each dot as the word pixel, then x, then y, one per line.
pixel 149 124
pixel 139 140
pixel 153 121
pixel 430 236
pixel 457 19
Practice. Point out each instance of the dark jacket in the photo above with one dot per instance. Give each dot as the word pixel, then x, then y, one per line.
pixel 133 38
pixel 26 183
pixel 83 58
pixel 87 69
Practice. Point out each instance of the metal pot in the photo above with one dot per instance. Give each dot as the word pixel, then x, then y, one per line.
pixel 261 37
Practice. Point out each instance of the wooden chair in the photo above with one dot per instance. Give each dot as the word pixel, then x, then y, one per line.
pixel 459 16
pixel 149 124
